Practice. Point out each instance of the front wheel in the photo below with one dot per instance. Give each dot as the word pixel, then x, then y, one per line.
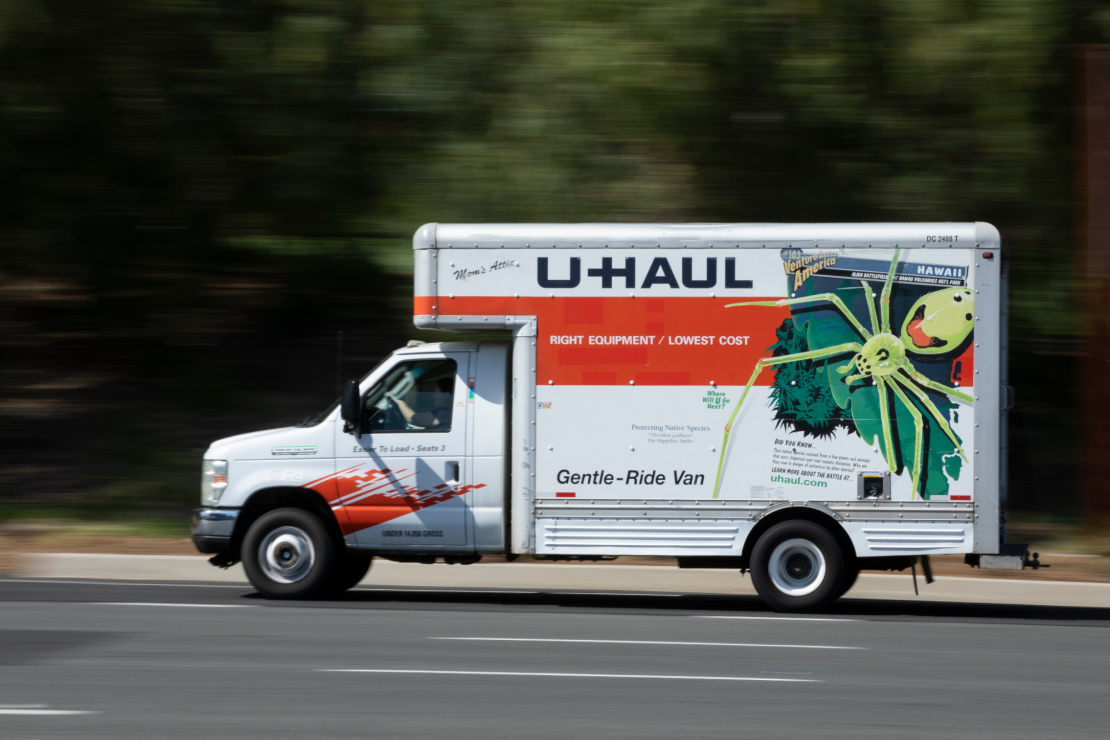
pixel 797 566
pixel 349 570
pixel 288 554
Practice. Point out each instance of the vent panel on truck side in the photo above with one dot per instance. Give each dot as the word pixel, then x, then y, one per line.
pixel 641 538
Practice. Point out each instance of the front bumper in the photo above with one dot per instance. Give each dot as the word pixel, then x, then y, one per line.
pixel 212 529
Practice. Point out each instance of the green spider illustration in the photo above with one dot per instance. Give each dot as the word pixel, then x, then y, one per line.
pixel 937 323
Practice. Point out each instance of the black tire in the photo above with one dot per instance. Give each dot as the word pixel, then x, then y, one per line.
pixel 797 566
pixel 851 573
pixel 288 554
pixel 349 570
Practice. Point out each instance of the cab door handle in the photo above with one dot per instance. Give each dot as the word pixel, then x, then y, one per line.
pixel 453 472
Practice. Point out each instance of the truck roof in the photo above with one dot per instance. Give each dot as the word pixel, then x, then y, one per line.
pixel 439 347
pixel 701 236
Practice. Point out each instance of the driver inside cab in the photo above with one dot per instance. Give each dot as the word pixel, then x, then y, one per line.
pixel 414 396
pixel 437 404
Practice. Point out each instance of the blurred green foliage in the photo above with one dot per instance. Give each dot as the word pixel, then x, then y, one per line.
pixel 197 194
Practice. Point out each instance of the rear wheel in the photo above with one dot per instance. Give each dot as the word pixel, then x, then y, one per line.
pixel 797 566
pixel 287 554
pixel 851 573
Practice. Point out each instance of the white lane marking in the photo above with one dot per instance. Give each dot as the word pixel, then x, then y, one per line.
pixel 781 619
pixel 480 590
pixel 565 675
pixel 159 603
pixel 46 711
pixel 443 590
pixel 611 593
pixel 652 642
pixel 247 586
pixel 124 583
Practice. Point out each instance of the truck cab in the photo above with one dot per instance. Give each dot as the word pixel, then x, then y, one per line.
pixel 409 479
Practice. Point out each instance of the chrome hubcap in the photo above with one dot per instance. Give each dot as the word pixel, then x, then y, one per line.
pixel 286 554
pixel 797 567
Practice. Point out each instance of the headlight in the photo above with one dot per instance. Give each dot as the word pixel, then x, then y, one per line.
pixel 213 481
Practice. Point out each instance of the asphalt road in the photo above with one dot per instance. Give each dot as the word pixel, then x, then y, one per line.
pixel 130 660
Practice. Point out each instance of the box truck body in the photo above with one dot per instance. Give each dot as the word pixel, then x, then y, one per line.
pixel 668 390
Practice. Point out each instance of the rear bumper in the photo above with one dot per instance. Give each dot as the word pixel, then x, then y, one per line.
pixel 1010 556
pixel 212 529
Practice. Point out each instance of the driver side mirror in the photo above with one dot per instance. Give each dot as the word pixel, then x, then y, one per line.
pixel 350 408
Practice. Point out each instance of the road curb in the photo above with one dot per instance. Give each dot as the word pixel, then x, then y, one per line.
pixel 528 576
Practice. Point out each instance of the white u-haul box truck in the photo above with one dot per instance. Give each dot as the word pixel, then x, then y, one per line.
pixel 797 400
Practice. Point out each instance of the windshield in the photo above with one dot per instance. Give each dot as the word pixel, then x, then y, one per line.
pixel 314 420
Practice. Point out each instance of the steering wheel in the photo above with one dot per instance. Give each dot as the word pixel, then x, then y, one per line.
pixel 393 419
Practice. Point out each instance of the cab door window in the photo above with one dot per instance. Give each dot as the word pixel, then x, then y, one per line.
pixel 416 396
